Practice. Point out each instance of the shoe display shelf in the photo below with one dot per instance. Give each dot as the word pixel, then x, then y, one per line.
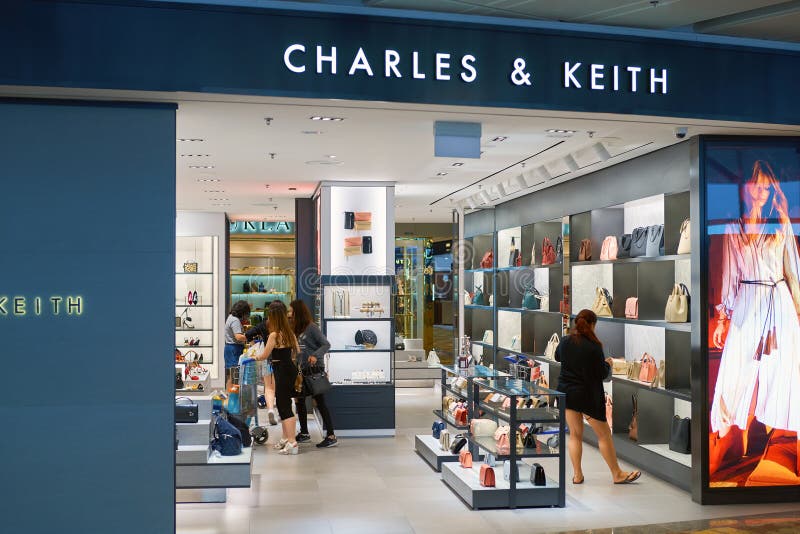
pixel 512 493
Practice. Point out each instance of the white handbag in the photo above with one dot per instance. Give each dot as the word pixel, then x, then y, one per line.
pixel 433 358
pixel 685 244
pixel 544 302
pixel 444 440
pixel 341 303
pixel 488 336
pixel 552 345
pixel 482 427
pixel 467 298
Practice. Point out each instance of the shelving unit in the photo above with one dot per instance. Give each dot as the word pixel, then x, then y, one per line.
pixel 513 493
pixel 202 251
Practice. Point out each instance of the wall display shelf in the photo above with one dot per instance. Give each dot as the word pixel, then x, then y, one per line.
pixel 195 295
pixel 513 492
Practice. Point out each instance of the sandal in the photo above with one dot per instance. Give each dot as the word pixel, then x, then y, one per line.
pixel 633 476
pixel 281 444
pixel 576 482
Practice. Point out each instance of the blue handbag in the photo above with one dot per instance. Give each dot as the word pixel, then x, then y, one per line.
pixel 437 428
pixel 479 299
pixel 530 301
pixel 227 438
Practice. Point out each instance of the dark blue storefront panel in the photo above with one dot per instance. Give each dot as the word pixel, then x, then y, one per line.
pixel 215 49
pixel 87 216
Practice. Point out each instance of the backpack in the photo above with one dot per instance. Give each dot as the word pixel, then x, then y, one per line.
pixel 227 438
pixel 243 429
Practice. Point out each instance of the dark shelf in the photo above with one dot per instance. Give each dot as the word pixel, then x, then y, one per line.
pixel 193 347
pixel 478 307
pixel 193 330
pixel 483 344
pixel 482 270
pixel 530 356
pixel 683 394
pixel 680 327
pixel 488 444
pixel 524 415
pixel 640 259
pixel 358 319
pixel 191 273
pixel 456 392
pixel 449 420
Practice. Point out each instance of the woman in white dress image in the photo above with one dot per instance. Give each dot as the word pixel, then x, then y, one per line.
pixel 758 384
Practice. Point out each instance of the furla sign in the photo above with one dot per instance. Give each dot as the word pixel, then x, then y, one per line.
pixel 445 66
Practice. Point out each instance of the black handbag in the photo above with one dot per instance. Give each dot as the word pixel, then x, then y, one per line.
pixel 655 241
pixel 316 380
pixel 559 250
pixel 246 287
pixel 458 444
pixel 624 249
pixel 366 244
pixel 185 410
pixel 367 338
pixel 243 429
pixel 530 441
pixel 178 380
pixel 680 438
pixel 638 242
pixel 537 475
pixel 349 220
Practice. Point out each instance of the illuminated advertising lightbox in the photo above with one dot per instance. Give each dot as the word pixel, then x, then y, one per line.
pixel 753 222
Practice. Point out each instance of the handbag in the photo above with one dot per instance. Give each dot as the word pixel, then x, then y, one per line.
pixel 554 441
pixel 487 262
pixel 315 380
pixel 467 298
pixel 685 243
pixel 559 250
pixel 513 254
pixel 530 441
pixel 624 249
pixel 433 358
pixel 366 244
pixel 533 253
pixel 436 429
pixel 632 308
pixel 537 475
pixel 661 376
pixel 178 380
pixel 298 382
pixel 530 300
pixel 478 299
pixel 482 427
pixel 634 368
pixel 349 220
pixel 620 367
pixel 185 410
pixel 649 369
pixel 680 436
pixel 365 337
pixel 227 440
pixel 487 476
pixel 638 242
pixel 190 266
pixel 510 471
pixel 552 345
pixel 655 241
pixel 501 439
pixel 633 428
pixel 489 459
pixel 341 303
pixel 585 253
pixel 602 303
pixel 362 220
pixel 609 409
pixel 444 440
pixel 677 310
pixel 465 459
pixel 544 302
pixel 548 252
pixel 352 246
pixel 246 287
pixel 458 444
pixel 609 249
pixel 461 415
pixel 244 430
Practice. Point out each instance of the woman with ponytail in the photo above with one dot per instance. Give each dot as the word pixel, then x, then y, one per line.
pixel 584 367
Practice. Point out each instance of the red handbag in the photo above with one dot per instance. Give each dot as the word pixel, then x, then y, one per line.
pixel 487 476
pixel 460 415
pixel 548 252
pixel 487 262
pixel 465 459
pixel 649 369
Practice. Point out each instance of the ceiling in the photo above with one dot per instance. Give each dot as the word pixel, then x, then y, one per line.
pixel 253 168
pixel 760 19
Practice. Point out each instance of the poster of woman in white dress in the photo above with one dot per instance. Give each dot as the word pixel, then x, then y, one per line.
pixel 754 345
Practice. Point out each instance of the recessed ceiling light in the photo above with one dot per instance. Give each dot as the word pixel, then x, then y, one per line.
pixel 499 138
pixel 331 156
pixel 220 204
pixel 441 174
pixel 201 166
pixel 292 189
pixel 214 190
pixel 458 164
pixel 312 132
pixel 219 199
pixel 326 119
pixel 324 162
pixel 208 179
pixel 556 131
pixel 195 155
pixel 191 139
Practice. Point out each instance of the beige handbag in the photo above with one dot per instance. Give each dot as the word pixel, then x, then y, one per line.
pixel 677 310
pixel 661 376
pixel 552 345
pixel 602 303
pixel 685 244
pixel 444 440
pixel 482 427
pixel 544 302
pixel 634 369
pixel 620 367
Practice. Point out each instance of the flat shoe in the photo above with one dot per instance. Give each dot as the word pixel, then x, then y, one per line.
pixel 633 476
pixel 576 482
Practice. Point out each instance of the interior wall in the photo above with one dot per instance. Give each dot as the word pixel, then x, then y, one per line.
pixel 88 212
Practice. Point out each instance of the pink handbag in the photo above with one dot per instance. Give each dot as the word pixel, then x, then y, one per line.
pixel 609 410
pixel 609 250
pixel 649 369
pixel 501 440
pixel 632 308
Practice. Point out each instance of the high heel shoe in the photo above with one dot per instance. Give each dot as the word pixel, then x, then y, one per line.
pixel 194 298
pixel 725 451
pixel 189 300
pixel 187 323
pixel 290 449
pixel 281 444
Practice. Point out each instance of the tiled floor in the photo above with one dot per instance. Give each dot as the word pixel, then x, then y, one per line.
pixel 382 486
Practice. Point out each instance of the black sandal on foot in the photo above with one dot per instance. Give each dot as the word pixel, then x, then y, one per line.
pixel 633 476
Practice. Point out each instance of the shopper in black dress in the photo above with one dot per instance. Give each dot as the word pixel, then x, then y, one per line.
pixel 583 370
pixel 282 349
pixel 313 346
